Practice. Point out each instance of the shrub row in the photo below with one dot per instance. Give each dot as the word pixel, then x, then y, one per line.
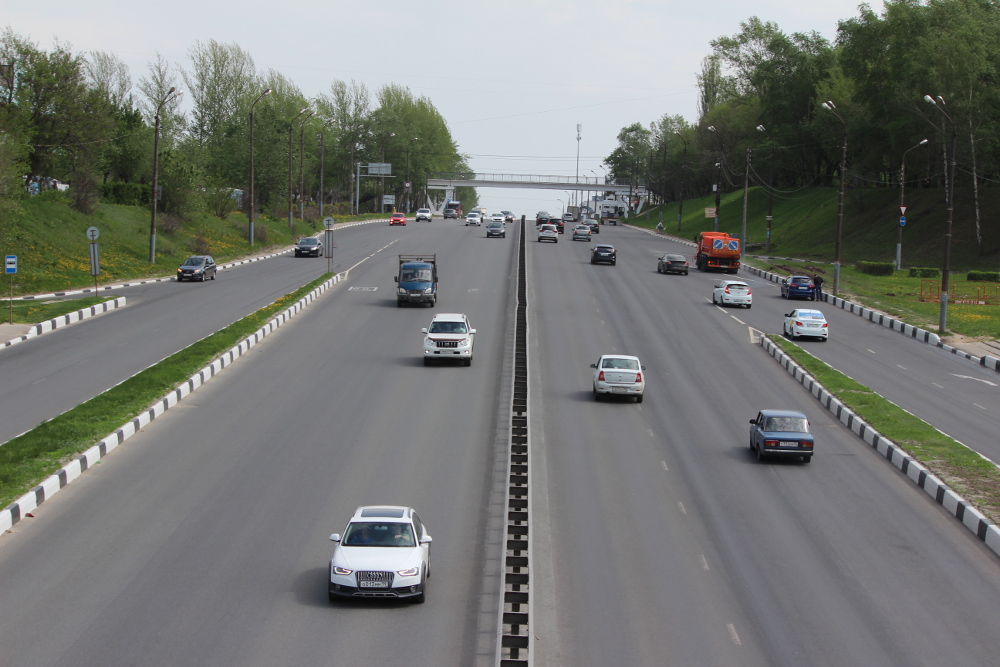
pixel 126 194
pixel 984 276
pixel 924 272
pixel 876 268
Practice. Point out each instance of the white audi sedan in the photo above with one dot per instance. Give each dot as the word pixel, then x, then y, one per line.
pixel 385 552
pixel 618 375
pixel 732 293
pixel 806 322
pixel 474 218
pixel 450 336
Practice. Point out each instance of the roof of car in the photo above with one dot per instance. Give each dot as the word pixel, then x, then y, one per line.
pixel 603 245
pixel 383 512
pixel 770 412
pixel 448 317
pixel 618 356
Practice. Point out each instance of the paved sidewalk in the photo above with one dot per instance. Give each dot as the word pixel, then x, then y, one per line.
pixel 10 331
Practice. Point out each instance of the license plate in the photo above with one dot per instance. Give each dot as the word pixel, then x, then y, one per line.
pixel 371 584
pixel 788 444
pixel 618 390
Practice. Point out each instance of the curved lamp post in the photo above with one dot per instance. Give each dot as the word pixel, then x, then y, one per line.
pixel 829 106
pixel 322 131
pixel 938 102
pixel 902 203
pixel 680 206
pixel 302 160
pixel 291 126
pixel 171 94
pixel 770 190
pixel 718 184
pixel 251 209
pixel 407 190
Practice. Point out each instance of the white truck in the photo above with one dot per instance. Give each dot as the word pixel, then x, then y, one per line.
pixel 612 210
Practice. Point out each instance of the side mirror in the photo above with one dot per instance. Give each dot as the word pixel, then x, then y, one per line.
pixel 593 365
pixel 472 331
pixel 643 367
pixel 395 279
pixel 426 539
pixel 424 330
pixel 788 315
pixel 753 421
pixel 335 537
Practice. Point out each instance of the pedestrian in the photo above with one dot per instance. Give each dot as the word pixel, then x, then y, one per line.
pixel 817 287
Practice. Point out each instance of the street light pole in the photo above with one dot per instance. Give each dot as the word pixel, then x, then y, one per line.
pixel 829 106
pixel 680 207
pixel 902 204
pixel 302 160
pixel 770 191
pixel 578 128
pixel 322 131
pixel 291 127
pixel 938 102
pixel 381 205
pixel 407 190
pixel 156 172
pixel 718 180
pixel 251 210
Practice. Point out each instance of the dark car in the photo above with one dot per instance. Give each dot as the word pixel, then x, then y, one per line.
pixel 603 253
pixel 595 226
pixel 672 264
pixel 781 433
pixel 559 223
pixel 309 247
pixel 197 267
pixel 542 218
pixel 507 216
pixel 496 229
pixel 451 213
pixel 798 287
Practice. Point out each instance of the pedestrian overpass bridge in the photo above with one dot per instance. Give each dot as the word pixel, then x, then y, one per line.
pixel 450 181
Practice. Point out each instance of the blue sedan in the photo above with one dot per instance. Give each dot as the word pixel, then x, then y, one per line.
pixel 781 433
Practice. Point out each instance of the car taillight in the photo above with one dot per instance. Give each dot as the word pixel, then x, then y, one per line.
pixel 770 443
pixel 638 377
pixel 726 290
pixel 799 324
pixel 749 291
pixel 601 376
pixel 805 443
pixel 825 325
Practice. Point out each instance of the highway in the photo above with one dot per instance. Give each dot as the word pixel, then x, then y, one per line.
pixel 657 538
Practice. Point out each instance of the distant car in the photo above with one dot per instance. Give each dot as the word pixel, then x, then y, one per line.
pixel 542 218
pixel 781 433
pixel 798 287
pixel 595 226
pixel 581 233
pixel 310 246
pixel 397 219
pixel 548 233
pixel 568 217
pixel 495 228
pixel 385 552
pixel 603 252
pixel 473 219
pixel 197 267
pixel 670 263
pixel 449 336
pixel 806 322
pixel 559 223
pixel 450 213
pixel 507 216
pixel 424 214
pixel 732 293
pixel 620 375
pixel 497 217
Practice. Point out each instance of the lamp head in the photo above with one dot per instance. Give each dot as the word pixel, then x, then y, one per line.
pixel 267 91
pixel 928 98
pixel 172 89
pixel 832 105
pixel 924 141
pixel 711 128
pixel 760 128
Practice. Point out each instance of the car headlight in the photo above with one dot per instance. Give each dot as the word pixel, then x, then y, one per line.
pixel 464 342
pixel 341 570
pixel 409 572
pixel 401 291
pixel 429 290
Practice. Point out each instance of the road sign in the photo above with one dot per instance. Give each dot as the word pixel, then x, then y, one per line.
pixel 380 169
pixel 388 199
pixel 407 185
pixel 902 220
pixel 709 211
pixel 92 233
pixel 328 222
pixel 902 210
pixel 11 264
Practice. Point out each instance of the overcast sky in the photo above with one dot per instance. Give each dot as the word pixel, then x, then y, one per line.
pixel 512 78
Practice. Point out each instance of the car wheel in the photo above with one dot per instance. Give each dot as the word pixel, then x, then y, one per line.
pixel 468 362
pixel 597 396
pixel 751 443
pixel 399 304
pixel 807 458
pixel 614 262
pixel 202 278
pixel 333 598
pixel 427 361
pixel 713 298
pixel 638 399
pixel 760 454
pixel 213 276
pixel 419 599
pixel 749 306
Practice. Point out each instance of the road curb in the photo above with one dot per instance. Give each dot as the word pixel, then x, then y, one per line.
pixel 942 494
pixel 64 320
pixel 888 322
pixel 24 505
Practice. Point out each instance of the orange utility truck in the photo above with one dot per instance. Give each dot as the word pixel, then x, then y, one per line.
pixel 718 251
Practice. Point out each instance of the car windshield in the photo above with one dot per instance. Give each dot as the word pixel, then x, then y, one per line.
pixel 448 327
pixel 308 242
pixel 375 534
pixel 415 276
pixel 621 364
pixel 786 424
pixel 495 225
pixel 423 210
pixel 193 261
pixel 675 258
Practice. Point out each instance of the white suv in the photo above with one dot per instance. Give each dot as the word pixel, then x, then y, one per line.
pixel 423 214
pixel 450 336
pixel 385 552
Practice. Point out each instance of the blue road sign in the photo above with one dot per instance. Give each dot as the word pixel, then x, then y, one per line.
pixel 10 265
pixel 902 221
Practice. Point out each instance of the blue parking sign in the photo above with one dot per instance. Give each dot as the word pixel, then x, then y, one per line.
pixel 11 264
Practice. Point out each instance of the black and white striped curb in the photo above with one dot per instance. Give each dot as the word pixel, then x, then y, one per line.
pixel 970 517
pixel 29 501
pixel 229 265
pixel 69 318
pixel 891 323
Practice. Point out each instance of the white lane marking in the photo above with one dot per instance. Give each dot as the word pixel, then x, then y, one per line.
pixel 650 432
pixel 664 464
pixel 704 562
pixel 903 367
pixel 732 634
pixel 872 351
pixel 979 406
pixel 937 385
pixel 362 289
pixel 473 289
pixel 969 377
pixel 738 320
pixel 682 508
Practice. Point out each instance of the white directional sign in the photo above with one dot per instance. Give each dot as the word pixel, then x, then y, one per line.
pixel 92 233
pixel 388 199
pixel 11 264
pixel 328 222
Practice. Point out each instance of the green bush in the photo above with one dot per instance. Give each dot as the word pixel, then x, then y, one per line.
pixel 876 268
pixel 126 194
pixel 984 276
pixel 924 272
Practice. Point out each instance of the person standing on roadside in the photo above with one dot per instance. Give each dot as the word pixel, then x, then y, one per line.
pixel 817 287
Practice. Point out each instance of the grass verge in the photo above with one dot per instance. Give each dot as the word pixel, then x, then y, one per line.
pixel 968 473
pixel 25 461
pixel 34 312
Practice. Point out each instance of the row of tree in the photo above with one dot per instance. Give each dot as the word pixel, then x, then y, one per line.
pixel 764 90
pixel 78 118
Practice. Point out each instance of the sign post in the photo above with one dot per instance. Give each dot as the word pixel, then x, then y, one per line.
pixel 899 237
pixel 95 260
pixel 328 241
pixel 10 267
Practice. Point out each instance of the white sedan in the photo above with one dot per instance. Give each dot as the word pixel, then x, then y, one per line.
pixel 620 375
pixel 385 552
pixel 473 219
pixel 806 322
pixel 732 293
pixel 497 217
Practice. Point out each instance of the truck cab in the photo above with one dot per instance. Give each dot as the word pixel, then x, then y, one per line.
pixel 417 280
